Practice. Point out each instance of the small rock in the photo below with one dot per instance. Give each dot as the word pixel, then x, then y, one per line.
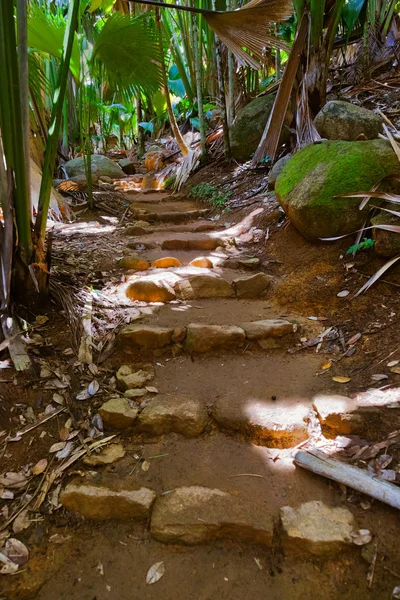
pixel 128 380
pixel 173 415
pixel 253 286
pixel 118 413
pixel 203 338
pixel 105 179
pixel 281 425
pixel 136 394
pixel 166 263
pixel 179 335
pixel 339 120
pixel 203 286
pixel 146 336
pixel 387 243
pixel 150 291
pixel 127 166
pixel 202 262
pixel 110 499
pixel 134 263
pixel 268 328
pixel 107 456
pixel 136 230
pixel 317 528
pixel 198 515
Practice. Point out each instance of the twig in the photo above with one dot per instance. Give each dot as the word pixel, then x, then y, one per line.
pixel 381 280
pixel 389 355
pixel 19 434
pixel 392 572
pixel 246 475
pixel 371 570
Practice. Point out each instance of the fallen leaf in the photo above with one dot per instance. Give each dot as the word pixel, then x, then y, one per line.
pixel 93 387
pixel 45 372
pixel 396 593
pixel 13 480
pixel 57 446
pixel 93 369
pixel 40 467
pixel 9 568
pixel 388 475
pixel 361 537
pixel 64 433
pixel 58 399
pixel 84 395
pixel 258 563
pixel 379 377
pixel 354 339
pixel 155 573
pixel 66 451
pixel 343 294
pixel 21 522
pixel 395 370
pixel 326 366
pixel 41 319
pixel 151 389
pixel 145 466
pixel 393 363
pixel 17 551
pixel 340 379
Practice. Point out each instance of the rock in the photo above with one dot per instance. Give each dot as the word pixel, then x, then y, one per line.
pixel 150 291
pixel 136 394
pixel 268 328
pixel 310 182
pixel 154 161
pixel 128 380
pixel 141 223
pixel 248 127
pixel 198 515
pixel 387 243
pixel 203 338
pixel 241 263
pixel 252 286
pixel 203 286
pixel 101 165
pixel 108 455
pixel 276 425
pixel 134 263
pixel 201 262
pixel 146 336
pixel 118 413
pixel 191 244
pixel 127 166
pixel 317 528
pixel 168 414
pixel 137 230
pixel 339 120
pixel 277 170
pixel 109 499
pixel 179 335
pixel 166 263
pixel 105 179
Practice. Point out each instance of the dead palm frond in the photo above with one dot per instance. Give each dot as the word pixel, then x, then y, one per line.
pixel 243 30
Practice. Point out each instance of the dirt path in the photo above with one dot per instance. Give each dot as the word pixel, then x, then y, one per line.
pixel 226 408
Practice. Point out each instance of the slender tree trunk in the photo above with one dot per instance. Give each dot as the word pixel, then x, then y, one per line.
pixel 197 64
pixel 139 131
pixel 221 95
pixel 231 77
pixel 174 126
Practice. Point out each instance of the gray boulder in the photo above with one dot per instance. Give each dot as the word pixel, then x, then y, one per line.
pixel 127 166
pixel 339 120
pixel 101 166
pixel 310 183
pixel 277 170
pixel 248 127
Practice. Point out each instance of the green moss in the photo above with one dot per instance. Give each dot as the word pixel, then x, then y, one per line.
pixel 310 182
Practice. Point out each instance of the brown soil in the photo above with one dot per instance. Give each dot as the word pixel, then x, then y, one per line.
pixel 110 560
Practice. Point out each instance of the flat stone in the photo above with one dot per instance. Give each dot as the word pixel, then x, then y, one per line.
pixel 179 335
pixel 134 263
pixel 275 425
pixel 268 328
pixel 317 528
pixel 136 394
pixel 113 499
pixel 137 230
pixel 146 336
pixel 118 413
pixel 202 262
pixel 178 217
pixel 166 414
pixel 252 286
pixel 108 455
pixel 166 263
pixel 203 338
pixel 203 286
pixel 191 244
pixel 147 290
pixel 127 379
pixel 198 515
pixel 243 263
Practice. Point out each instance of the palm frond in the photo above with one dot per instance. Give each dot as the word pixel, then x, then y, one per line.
pixel 129 52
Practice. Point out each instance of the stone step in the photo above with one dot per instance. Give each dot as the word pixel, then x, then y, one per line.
pixel 191 282
pixel 173 216
pixel 199 515
pixel 201 338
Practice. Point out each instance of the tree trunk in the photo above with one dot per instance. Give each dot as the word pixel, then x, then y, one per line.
pixel 197 64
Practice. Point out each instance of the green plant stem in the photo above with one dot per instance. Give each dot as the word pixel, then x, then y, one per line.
pixel 197 62
pixel 55 121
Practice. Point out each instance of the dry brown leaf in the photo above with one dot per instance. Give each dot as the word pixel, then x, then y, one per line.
pixel 340 379
pixel 361 537
pixel 57 447
pixel 155 573
pixel 21 522
pixel 17 551
pixel 326 366
pixel 40 467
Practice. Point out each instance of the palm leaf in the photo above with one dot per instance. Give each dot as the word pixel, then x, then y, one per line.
pixel 129 52
pixel 377 275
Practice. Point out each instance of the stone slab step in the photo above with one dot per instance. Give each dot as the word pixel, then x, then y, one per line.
pixel 108 498
pixel 202 338
pixel 199 515
pixel 176 414
pixel 265 422
pixel 172 216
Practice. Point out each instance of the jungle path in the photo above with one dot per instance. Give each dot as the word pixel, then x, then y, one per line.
pixel 211 442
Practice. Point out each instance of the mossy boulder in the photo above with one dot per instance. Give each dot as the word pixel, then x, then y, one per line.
pixel 248 127
pixel 339 120
pixel 387 243
pixel 311 180
pixel 101 166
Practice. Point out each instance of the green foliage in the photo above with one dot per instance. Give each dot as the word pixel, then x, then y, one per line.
pixel 169 182
pixel 364 245
pixel 210 194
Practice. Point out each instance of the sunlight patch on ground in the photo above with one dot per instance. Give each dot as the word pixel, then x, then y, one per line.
pixel 90 228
